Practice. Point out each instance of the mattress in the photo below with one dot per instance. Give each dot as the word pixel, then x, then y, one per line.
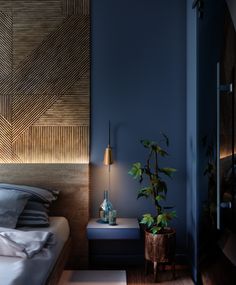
pixel 36 270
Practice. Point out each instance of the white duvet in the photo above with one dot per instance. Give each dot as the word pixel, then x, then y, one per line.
pixel 35 270
pixel 17 243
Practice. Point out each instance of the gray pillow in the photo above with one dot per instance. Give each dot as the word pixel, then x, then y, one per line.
pixel 36 193
pixel 35 214
pixel 12 204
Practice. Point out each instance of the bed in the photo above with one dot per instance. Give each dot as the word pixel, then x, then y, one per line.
pixel 43 267
pixel 72 203
pixel 33 245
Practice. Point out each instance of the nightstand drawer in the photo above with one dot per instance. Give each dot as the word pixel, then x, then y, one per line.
pixel 125 229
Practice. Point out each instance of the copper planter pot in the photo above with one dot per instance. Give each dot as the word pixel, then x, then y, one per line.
pixel 160 249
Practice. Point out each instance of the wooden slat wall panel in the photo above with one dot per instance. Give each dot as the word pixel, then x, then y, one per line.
pixel 78 7
pixel 70 109
pixel 5 45
pixel 54 144
pixel 5 106
pixel 72 182
pixel 33 22
pixel 26 109
pixel 60 60
pixel 6 6
pixel 5 141
pixel 44 81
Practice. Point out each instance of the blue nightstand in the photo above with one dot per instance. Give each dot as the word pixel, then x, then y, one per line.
pixel 115 245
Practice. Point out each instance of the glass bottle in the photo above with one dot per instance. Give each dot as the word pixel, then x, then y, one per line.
pixel 104 209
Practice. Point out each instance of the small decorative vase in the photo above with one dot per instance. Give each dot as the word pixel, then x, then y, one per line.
pixel 112 217
pixel 105 208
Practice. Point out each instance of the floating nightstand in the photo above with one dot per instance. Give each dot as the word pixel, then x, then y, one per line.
pixel 115 245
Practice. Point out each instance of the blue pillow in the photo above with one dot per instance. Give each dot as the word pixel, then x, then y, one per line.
pixel 36 193
pixel 12 204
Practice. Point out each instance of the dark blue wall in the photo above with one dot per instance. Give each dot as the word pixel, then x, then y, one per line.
pixel 138 81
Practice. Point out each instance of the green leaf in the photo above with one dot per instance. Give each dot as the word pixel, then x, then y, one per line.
pixel 160 197
pixel 159 218
pixel 160 151
pixel 147 220
pixel 162 220
pixel 167 171
pixel 154 146
pixel 144 192
pixel 136 170
pixel 146 143
pixel 170 215
pixel 155 229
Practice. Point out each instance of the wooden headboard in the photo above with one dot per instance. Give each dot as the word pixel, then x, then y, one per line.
pixel 73 202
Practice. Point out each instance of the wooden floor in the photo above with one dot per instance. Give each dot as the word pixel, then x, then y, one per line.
pixel 138 277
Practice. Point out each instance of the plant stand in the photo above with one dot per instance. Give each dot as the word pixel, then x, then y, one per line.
pixel 160 250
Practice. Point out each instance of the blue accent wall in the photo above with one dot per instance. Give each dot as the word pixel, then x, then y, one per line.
pixel 138 81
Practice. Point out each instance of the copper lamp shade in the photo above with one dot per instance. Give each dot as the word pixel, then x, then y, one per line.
pixel 108 156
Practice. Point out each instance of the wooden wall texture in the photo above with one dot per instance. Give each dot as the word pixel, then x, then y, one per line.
pixel 45 105
pixel 44 81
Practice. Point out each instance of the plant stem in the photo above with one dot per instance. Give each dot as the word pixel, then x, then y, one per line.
pixel 158 207
pixel 156 164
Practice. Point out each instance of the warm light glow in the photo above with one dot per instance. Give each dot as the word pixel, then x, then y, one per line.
pixel 225 154
pixel 49 160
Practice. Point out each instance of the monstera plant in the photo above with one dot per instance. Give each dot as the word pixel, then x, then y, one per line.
pixel 156 188
pixel 159 238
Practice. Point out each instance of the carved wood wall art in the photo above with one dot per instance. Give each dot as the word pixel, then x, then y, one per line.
pixel 44 81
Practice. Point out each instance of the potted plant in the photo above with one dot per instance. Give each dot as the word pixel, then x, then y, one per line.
pixel 159 238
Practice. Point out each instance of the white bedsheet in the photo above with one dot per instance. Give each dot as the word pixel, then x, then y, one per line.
pixel 35 271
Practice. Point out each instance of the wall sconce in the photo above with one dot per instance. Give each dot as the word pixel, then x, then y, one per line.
pixel 108 159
